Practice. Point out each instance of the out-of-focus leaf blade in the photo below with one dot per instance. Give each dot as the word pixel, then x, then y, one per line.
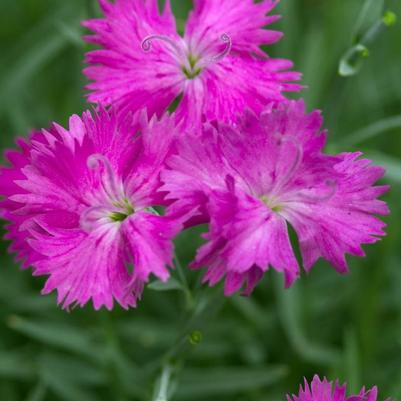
pixel 38 393
pixel 14 365
pixel 352 61
pixel 171 284
pixel 289 302
pixel 370 12
pixel 212 382
pixel 390 163
pixel 73 369
pixel 55 334
pixel 352 361
pixel 373 130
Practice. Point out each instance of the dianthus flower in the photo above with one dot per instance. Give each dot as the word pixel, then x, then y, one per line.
pixel 79 203
pixel 323 390
pixel 268 171
pixel 215 70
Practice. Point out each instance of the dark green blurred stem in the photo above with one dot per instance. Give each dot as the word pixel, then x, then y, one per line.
pixel 91 8
pixel 352 61
pixel 164 383
pixel 362 18
pixel 113 348
pixel 205 307
pixel 189 301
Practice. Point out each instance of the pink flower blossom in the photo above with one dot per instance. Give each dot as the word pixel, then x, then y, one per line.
pixel 80 203
pixel 255 178
pixel 323 390
pixel 217 67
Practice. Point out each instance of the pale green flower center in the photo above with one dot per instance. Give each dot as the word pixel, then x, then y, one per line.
pixel 126 210
pixel 191 70
pixel 272 203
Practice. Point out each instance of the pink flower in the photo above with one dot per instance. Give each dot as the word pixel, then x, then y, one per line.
pixel 217 68
pixel 80 203
pixel 323 390
pixel 255 178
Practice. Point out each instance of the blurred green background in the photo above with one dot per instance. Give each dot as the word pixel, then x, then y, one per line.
pixel 252 349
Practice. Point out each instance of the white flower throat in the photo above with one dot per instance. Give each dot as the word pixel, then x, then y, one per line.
pixel 191 62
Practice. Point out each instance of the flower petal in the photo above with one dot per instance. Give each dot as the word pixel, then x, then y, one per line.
pixel 123 74
pixel 344 222
pixel 242 20
pixel 84 267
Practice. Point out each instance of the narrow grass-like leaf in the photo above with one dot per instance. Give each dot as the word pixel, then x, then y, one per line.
pixel 71 32
pixel 352 360
pixel 213 382
pixel 390 163
pixel 352 61
pixel 56 334
pixel 172 284
pixel 370 12
pixel 73 369
pixel 38 393
pixel 373 130
pixel 289 302
pixel 14 365
pixel 24 70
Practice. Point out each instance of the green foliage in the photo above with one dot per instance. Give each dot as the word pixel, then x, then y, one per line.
pixel 256 349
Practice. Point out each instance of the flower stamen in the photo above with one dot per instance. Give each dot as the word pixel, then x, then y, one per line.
pixel 192 65
pixel 147 43
pixel 226 39
pixel 271 204
pixel 295 165
pixel 112 187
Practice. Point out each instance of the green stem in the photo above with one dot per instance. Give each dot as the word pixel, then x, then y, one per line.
pixel 164 384
pixel 361 19
pixel 188 338
pixel 184 282
pixel 352 60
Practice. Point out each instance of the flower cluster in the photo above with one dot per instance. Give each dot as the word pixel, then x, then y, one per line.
pixel 96 207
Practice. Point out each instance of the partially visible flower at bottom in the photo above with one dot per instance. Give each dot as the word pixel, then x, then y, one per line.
pixel 323 390
pixel 80 206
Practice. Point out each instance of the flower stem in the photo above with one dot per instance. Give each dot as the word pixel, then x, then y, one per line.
pixel 205 305
pixel 184 282
pixel 164 384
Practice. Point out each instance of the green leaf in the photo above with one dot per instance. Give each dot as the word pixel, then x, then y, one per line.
pixel 65 390
pixel 253 312
pixel 212 382
pixel 72 369
pixel 390 163
pixel 40 45
pixel 71 32
pixel 170 285
pixel 370 12
pixel 352 360
pixel 16 365
pixel 373 130
pixel 353 58
pixel 352 61
pixel 289 304
pixel 59 335
pixel 69 378
pixel 38 393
